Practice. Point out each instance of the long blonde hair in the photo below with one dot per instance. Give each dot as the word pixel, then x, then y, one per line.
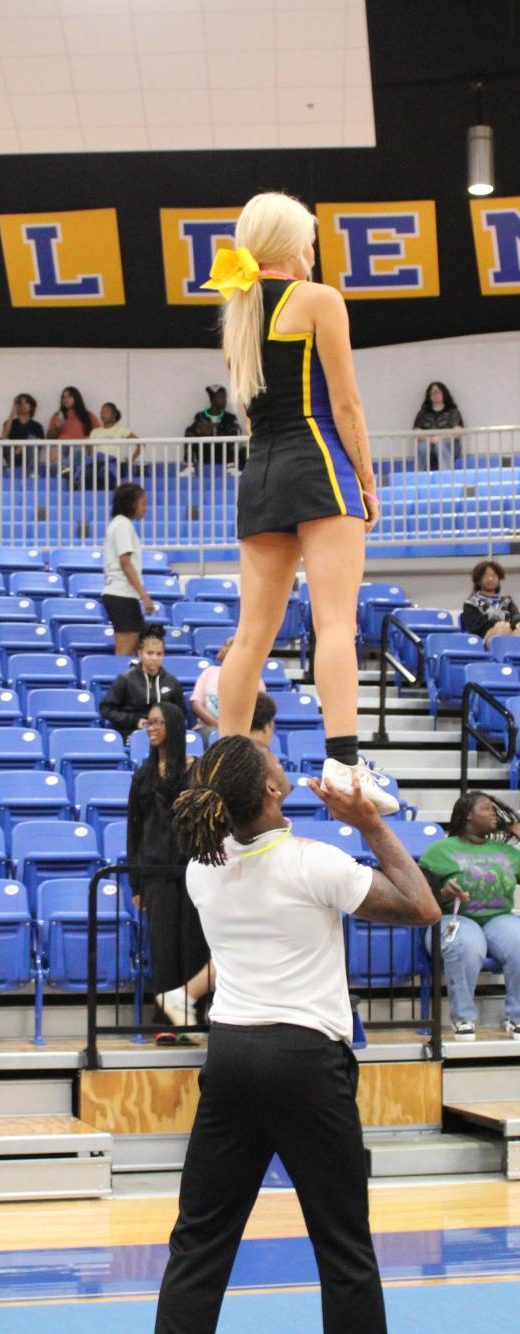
pixel 275 228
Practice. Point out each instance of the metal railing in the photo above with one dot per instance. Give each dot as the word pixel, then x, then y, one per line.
pixel 57 493
pixel 388 659
pixel 503 753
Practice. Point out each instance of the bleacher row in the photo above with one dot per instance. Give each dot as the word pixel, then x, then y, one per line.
pixel 64 789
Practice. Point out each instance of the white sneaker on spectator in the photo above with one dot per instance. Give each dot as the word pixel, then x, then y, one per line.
pixel 188 471
pixel 232 471
pixel 511 1027
pixel 463 1030
pixel 371 783
pixel 179 1006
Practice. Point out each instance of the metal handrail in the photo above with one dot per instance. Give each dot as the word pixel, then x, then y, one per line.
pixel 388 659
pixel 468 729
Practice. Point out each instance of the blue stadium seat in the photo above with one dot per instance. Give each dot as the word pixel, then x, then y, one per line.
pixel 274 674
pixel 47 709
pixel 63 611
pixel 114 842
pixel 306 750
pixel 379 955
pixel 178 640
pixel 15 936
pixel 100 798
pixel 86 584
pixel 416 835
pixel 31 794
pixel 26 671
pixel 20 748
pixel 208 589
pixel 20 558
pixel 423 622
pixel 17 609
pixel 446 657
pixel 207 639
pixel 165 588
pixel 374 603
pixel 513 704
pixel 193 614
pixel 156 562
pixel 71 560
pixel 42 848
pixel 36 584
pixel 292 628
pixel 62 939
pixel 185 667
pixel 10 711
pixel 23 638
pixel 502 680
pixel 340 835
pixel 301 800
pixel 295 711
pixel 72 749
pixel 505 648
pixel 97 671
pixel 79 640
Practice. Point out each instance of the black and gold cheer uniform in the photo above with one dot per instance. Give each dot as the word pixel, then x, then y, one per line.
pixel 297 468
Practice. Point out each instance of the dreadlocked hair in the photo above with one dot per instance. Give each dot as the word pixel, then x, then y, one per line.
pixel 226 792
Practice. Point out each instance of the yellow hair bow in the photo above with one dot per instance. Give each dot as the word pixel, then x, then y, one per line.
pixel 232 269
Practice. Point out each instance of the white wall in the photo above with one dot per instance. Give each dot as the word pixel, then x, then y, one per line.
pixel 158 391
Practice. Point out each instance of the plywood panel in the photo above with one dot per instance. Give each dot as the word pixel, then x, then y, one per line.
pixel 136 1102
pixel 400 1094
pixel 42 1125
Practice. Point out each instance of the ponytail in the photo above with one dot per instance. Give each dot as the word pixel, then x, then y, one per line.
pixel 226 793
pixel 243 323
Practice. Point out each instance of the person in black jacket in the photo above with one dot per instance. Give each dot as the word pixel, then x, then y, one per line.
pixel 487 611
pixel 179 953
pixel 127 702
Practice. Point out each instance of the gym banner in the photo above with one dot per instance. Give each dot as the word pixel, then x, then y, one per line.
pixel 190 237
pixel 63 259
pixel 375 251
pixel 496 233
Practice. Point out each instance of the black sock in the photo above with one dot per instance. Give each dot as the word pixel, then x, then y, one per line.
pixel 342 748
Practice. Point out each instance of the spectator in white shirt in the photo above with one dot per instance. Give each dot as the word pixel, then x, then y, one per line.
pixel 123 590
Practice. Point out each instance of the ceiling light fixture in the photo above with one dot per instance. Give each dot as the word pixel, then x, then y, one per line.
pixel 481 170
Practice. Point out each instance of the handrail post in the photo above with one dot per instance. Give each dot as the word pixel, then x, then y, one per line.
pixel 436 1016
pixel 386 659
pixel 473 688
pixel 382 735
pixel 464 743
pixel 92 1059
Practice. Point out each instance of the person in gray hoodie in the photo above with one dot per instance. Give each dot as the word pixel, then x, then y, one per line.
pixel 130 696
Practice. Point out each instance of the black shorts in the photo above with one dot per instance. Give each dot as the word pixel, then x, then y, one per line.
pixel 124 613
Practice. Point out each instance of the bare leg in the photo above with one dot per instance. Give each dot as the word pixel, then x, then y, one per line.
pixel 267 567
pixel 333 552
pixel 126 642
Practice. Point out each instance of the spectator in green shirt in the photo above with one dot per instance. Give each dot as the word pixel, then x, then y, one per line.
pixel 476 875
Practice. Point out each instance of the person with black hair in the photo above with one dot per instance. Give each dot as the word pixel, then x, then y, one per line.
pixel 438 412
pixel 130 696
pixel 262 726
pixel 476 874
pixel 112 428
pixel 215 421
pixel 487 611
pixel 18 427
pixel 280 1074
pixel 123 590
pixel 179 953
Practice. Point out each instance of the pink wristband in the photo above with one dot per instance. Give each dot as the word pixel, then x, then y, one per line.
pixel 370 496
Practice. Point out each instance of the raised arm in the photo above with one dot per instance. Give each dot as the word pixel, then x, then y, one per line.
pixel 399 891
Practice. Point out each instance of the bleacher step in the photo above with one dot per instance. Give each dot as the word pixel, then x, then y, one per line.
pixel 409 1154
pixel 502 1116
pixel 53 1157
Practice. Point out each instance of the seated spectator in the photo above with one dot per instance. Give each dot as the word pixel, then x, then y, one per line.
pixel 475 876
pixel 204 700
pixel 487 611
pixel 72 421
pixel 112 428
pixel 262 726
pixel 438 412
pixel 212 421
pixel 20 425
pixel 128 700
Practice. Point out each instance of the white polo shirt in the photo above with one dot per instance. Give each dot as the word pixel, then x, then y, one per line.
pixel 121 539
pixel 272 919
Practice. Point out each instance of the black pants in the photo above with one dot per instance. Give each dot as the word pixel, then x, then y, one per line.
pixel 288 1089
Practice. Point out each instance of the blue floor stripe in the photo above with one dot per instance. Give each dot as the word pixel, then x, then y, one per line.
pixel 482 1308
pixel 284 1262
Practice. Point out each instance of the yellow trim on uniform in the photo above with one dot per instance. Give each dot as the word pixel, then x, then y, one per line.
pixel 308 339
pixel 267 846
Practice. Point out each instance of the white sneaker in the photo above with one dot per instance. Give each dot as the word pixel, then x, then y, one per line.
pixel 464 1030
pixel 512 1028
pixel 372 783
pixel 178 1006
pixel 188 471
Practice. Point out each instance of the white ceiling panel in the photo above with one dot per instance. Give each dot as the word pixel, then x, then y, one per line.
pixel 123 75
